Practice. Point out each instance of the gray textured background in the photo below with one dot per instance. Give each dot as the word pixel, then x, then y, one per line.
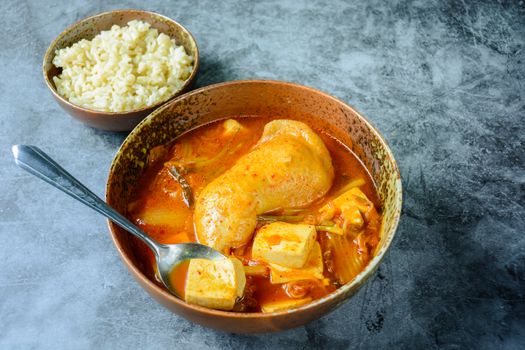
pixel 443 81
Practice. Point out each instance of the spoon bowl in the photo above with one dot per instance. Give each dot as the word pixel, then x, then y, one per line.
pixel 171 255
pixel 168 256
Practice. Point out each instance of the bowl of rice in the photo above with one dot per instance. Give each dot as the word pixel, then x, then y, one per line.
pixel 111 70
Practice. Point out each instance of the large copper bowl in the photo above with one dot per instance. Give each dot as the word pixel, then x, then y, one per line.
pixel 87 29
pixel 253 97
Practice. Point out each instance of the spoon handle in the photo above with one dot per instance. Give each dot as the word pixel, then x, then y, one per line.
pixel 36 162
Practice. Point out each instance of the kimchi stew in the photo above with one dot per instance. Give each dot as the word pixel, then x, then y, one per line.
pixel 294 209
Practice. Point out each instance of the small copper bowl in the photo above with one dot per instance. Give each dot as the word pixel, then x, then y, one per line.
pixel 90 27
pixel 252 97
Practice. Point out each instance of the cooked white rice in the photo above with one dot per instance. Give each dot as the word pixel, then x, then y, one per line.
pixel 122 69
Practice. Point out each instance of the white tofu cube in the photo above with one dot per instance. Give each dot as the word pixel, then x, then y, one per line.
pixel 353 206
pixel 215 284
pixel 284 304
pixel 284 244
pixel 354 198
pixel 231 127
pixel 313 269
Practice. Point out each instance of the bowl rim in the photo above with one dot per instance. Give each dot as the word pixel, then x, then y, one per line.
pixel 64 100
pixel 361 278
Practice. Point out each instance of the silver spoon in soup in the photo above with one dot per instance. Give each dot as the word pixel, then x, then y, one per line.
pixel 168 256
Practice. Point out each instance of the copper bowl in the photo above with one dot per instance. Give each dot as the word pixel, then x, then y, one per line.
pixel 87 29
pixel 252 97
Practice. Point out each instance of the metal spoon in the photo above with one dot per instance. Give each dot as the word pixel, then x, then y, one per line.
pixel 168 256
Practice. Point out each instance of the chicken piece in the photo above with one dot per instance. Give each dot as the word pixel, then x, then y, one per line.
pixel 288 167
pixel 215 284
pixel 285 244
pixel 313 269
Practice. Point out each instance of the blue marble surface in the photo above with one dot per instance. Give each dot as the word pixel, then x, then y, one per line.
pixel 442 80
